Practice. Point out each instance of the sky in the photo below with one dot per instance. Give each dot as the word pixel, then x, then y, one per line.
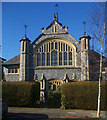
pixel 37 15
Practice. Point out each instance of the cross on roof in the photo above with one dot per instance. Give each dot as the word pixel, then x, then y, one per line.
pixel 56 5
pixel 84 27
pixel 25 29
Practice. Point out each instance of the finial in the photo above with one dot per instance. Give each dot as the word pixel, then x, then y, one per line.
pixel 65 76
pixel 54 16
pixel 56 11
pixel 25 29
pixel 84 27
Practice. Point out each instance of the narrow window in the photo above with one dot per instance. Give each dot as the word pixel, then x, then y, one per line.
pixel 85 44
pixel 26 46
pixel 55 45
pixel 60 58
pixel 16 71
pixel 54 58
pixel 47 47
pixel 55 28
pixel 65 58
pixel 40 49
pixel 70 58
pixel 9 71
pixel 52 45
pixel 23 46
pixel 59 46
pixel 44 49
pixel 38 59
pixel 52 28
pixel 64 47
pixel 48 59
pixel 43 59
pixel 68 48
pixel 12 70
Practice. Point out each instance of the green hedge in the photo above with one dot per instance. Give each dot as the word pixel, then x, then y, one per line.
pixel 20 93
pixel 83 95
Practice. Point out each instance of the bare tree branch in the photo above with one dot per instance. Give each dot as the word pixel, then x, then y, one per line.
pixel 98 25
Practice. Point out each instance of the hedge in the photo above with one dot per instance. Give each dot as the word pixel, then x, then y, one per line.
pixel 83 95
pixel 20 93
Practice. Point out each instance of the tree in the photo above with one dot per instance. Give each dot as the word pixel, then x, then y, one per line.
pixel 97 22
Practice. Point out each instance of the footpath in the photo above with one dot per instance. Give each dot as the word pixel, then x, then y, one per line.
pixel 46 113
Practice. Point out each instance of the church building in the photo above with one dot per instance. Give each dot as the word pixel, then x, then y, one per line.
pixel 53 58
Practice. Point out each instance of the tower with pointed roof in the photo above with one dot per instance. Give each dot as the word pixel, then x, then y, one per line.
pixel 85 47
pixel 24 58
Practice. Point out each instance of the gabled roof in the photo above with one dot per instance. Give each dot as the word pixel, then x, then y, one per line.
pixel 14 61
pixel 48 30
pixel 59 28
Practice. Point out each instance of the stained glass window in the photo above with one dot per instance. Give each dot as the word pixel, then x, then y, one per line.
pixel 48 59
pixel 43 59
pixel 44 49
pixel 60 58
pixel 38 59
pixel 54 53
pixel 52 45
pixel 70 58
pixel 64 47
pixel 54 58
pixel 65 58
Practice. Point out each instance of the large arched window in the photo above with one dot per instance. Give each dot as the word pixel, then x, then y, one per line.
pixel 54 53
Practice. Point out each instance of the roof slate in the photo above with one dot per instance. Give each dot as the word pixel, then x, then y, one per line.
pixel 93 55
pixel 14 61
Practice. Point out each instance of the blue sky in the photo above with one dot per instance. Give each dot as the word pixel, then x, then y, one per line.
pixel 37 15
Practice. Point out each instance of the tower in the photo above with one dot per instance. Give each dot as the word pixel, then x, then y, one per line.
pixel 85 46
pixel 24 58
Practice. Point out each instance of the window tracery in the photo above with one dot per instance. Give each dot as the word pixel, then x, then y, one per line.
pixel 54 53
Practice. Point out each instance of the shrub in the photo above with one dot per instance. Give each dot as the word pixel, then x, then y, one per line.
pixel 83 95
pixel 20 93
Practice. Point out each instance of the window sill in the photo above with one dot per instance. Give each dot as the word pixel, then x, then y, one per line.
pixel 58 67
